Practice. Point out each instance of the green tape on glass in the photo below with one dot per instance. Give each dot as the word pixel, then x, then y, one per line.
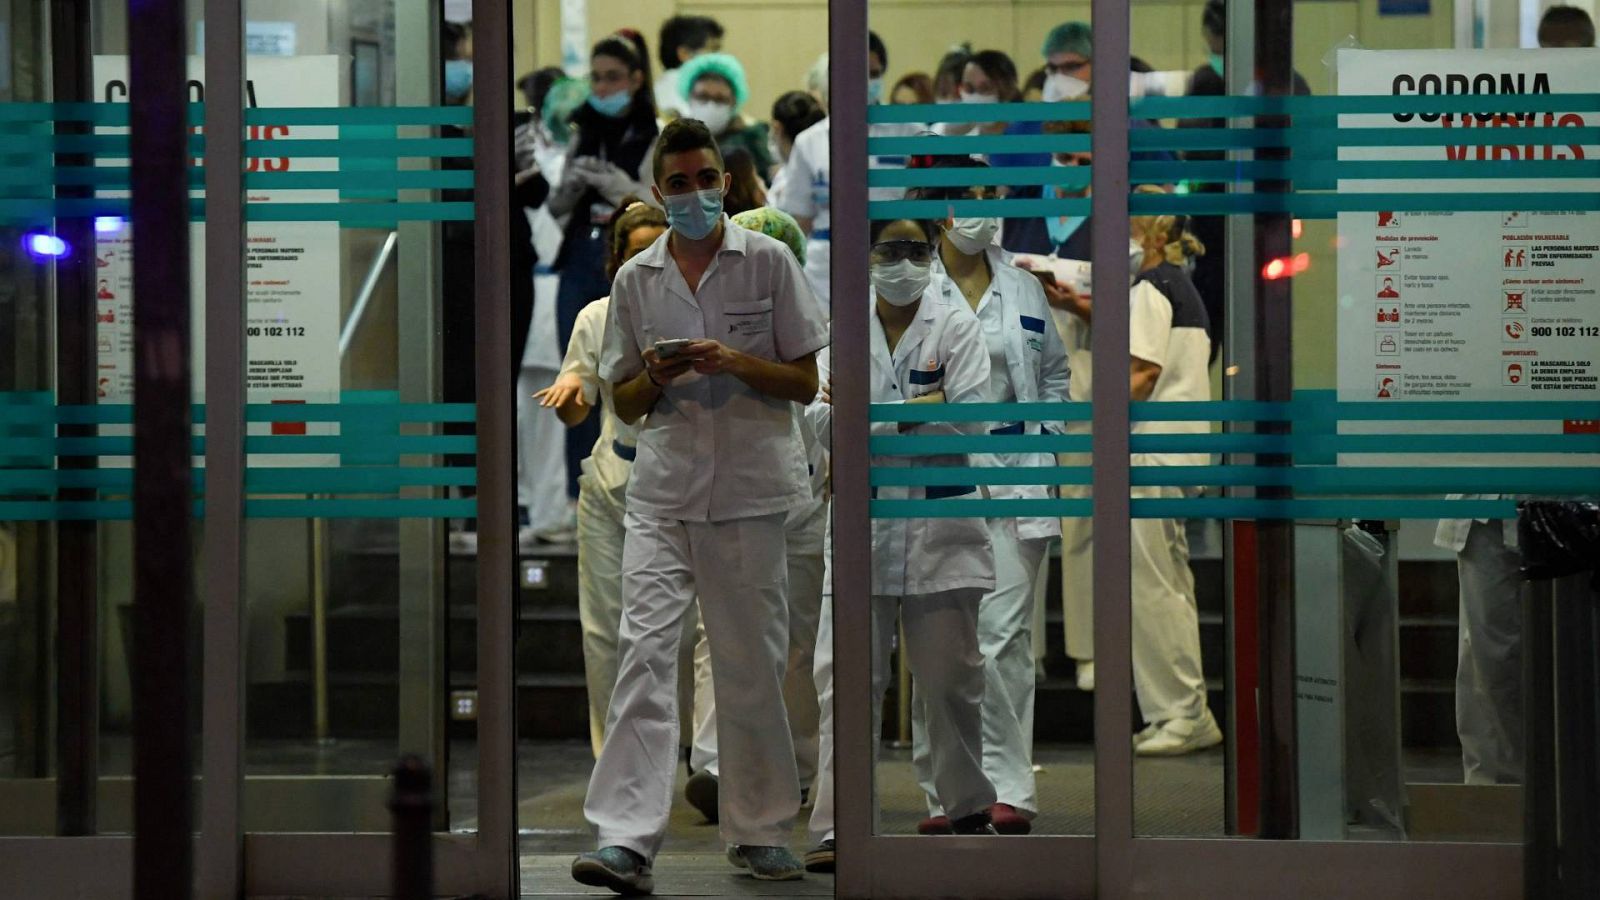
pixel 372 214
pixel 425 179
pixel 1308 406
pixel 1074 411
pixel 942 476
pixel 1248 171
pixel 984 143
pixel 1313 480
pixel 1060 176
pixel 1005 209
pixel 1295 138
pixel 939 444
pixel 926 113
pixel 17 408
pixel 1195 107
pixel 1327 206
pixel 361 509
pixel 328 148
pixel 360 115
pixel 1200 508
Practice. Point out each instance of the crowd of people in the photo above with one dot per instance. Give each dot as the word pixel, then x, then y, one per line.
pixel 682 239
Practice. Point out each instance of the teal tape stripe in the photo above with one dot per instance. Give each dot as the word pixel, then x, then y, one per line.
pixel 1067 177
pixel 39 412
pixel 1326 206
pixel 1248 171
pixel 299 480
pixel 980 412
pixel 922 113
pixel 981 143
pixel 376 147
pixel 1325 138
pixel 1201 508
pixel 76 511
pixel 361 509
pixel 360 213
pixel 940 444
pixel 1408 480
pixel 274 444
pixel 1311 406
pixel 426 179
pixel 1234 107
pixel 1005 209
pixel 360 115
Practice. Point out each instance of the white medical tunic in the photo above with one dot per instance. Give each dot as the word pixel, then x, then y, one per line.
pixel 713 448
pixel 611 461
pixel 1028 364
pixel 942 350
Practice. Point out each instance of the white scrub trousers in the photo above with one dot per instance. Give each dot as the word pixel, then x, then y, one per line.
pixel 942 647
pixel 1166 621
pixel 804 532
pixel 600 538
pixel 1005 637
pixel 1489 710
pixel 737 567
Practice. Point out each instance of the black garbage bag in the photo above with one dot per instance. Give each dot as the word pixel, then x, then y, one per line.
pixel 1558 538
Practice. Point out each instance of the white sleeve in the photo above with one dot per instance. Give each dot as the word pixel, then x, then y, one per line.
pixel 796 196
pixel 620 354
pixel 819 414
pixel 799 327
pixel 583 351
pixel 1149 324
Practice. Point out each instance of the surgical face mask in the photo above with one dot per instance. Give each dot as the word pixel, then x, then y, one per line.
pixel 901 283
pixel 715 115
pixel 457 79
pixel 1216 62
pixel 874 90
pixel 612 105
pixel 973 236
pixel 694 215
pixel 967 97
pixel 1061 86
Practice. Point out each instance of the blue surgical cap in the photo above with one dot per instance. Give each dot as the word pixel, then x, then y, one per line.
pixel 719 64
pixel 1069 37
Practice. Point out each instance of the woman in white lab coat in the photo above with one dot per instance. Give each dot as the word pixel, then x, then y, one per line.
pixel 604 482
pixel 933 572
pixel 1027 364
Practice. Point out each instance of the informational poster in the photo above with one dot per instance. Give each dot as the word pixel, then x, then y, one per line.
pixel 292 268
pixel 1500 305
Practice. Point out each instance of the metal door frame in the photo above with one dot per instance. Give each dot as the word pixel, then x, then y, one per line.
pixel 231 862
pixel 1114 862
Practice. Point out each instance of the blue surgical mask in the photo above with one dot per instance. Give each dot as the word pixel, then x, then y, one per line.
pixel 613 104
pixel 1216 62
pixel 694 215
pixel 457 79
pixel 874 90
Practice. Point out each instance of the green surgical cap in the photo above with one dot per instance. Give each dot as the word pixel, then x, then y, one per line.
pixel 721 65
pixel 775 223
pixel 1069 37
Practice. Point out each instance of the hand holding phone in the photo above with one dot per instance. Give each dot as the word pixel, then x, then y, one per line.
pixel 671 348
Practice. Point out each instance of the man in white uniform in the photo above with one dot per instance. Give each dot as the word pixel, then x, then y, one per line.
pixel 713 333
pixel 1489 658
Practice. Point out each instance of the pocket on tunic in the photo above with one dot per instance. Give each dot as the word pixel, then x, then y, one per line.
pixel 747 327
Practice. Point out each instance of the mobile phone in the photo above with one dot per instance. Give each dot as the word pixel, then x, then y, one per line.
pixel 669 349
pixel 1045 276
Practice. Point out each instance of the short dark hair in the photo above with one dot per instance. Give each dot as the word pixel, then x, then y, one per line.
pixel 796 111
pixel 1035 80
pixel 875 45
pixel 947 192
pixel 876 228
pixel 536 85
pixel 1566 26
pixel 951 67
pixel 693 32
pixel 1001 70
pixel 1214 20
pixel 684 135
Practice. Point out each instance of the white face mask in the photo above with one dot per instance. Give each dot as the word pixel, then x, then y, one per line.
pixel 715 115
pixel 979 98
pixel 972 236
pixel 901 283
pixel 1061 86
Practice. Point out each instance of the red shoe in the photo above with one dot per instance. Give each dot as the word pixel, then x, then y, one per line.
pixel 1008 821
pixel 935 825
